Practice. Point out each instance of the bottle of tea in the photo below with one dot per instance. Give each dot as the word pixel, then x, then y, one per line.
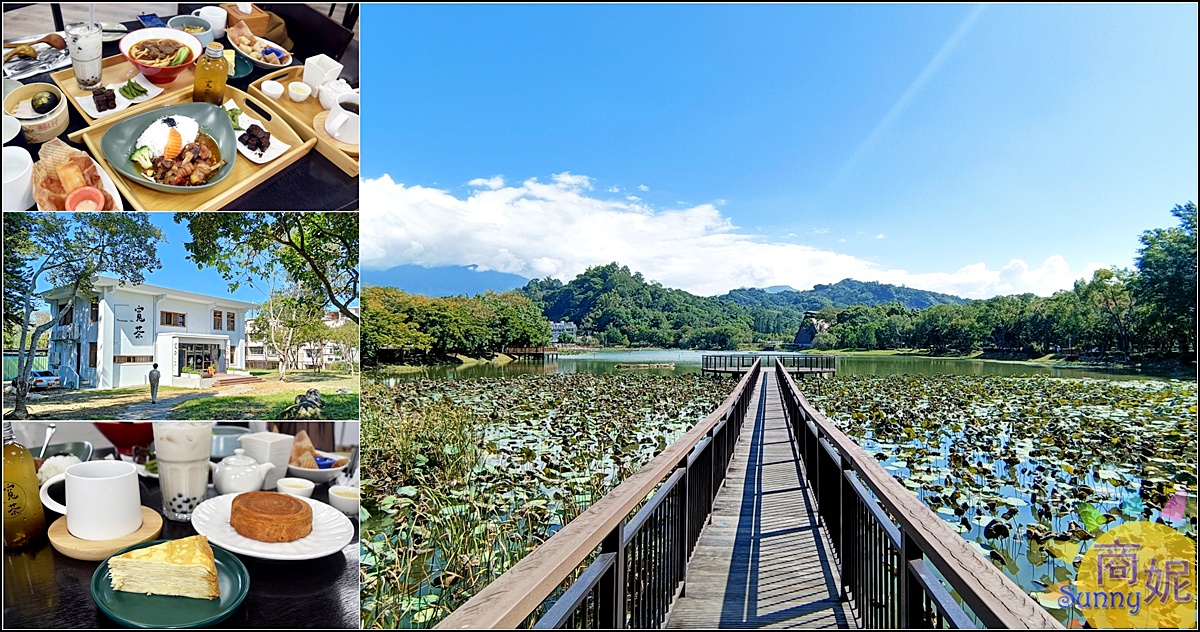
pixel 24 518
pixel 211 73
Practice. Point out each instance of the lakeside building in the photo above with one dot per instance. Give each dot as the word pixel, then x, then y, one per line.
pixel 259 354
pixel 111 337
pixel 561 327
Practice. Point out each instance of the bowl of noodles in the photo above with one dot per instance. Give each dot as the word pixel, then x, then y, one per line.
pixel 161 53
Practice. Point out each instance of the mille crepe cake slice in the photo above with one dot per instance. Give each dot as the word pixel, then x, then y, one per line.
pixel 183 568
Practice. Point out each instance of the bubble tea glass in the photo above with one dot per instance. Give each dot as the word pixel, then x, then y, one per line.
pixel 182 449
pixel 86 49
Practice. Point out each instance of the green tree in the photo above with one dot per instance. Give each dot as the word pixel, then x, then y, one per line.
pixel 69 250
pixel 347 340
pixel 1166 283
pixel 290 317
pixel 318 250
pixel 386 325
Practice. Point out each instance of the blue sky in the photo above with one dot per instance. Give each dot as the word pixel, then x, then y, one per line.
pixel 963 148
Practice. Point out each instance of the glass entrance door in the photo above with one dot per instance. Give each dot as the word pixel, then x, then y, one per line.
pixel 198 357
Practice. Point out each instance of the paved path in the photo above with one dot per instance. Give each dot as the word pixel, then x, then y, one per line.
pixel 762 561
pixel 146 410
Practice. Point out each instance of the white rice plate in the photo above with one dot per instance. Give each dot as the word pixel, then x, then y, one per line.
pixel 55 465
pixel 155 137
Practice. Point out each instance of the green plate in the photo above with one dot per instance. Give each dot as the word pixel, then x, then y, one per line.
pixel 118 142
pixel 241 67
pixel 160 611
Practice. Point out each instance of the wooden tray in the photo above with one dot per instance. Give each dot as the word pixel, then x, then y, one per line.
pixel 301 115
pixel 96 550
pixel 246 175
pixel 118 69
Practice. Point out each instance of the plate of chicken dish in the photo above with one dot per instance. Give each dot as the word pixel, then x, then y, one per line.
pixel 175 149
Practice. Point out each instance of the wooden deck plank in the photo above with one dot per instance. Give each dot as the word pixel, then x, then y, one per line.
pixel 761 562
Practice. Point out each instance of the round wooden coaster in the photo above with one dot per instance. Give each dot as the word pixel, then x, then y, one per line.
pixel 96 550
pixel 319 128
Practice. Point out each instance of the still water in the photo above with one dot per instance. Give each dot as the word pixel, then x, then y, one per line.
pixel 688 361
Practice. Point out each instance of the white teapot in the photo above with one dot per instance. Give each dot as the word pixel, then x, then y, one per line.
pixel 240 473
pixel 330 92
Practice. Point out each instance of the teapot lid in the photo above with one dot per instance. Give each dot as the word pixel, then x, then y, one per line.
pixel 239 458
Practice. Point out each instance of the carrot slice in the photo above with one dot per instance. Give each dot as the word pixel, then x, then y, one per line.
pixel 174 144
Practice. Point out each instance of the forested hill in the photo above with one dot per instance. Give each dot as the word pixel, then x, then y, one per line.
pixel 620 307
pixel 844 293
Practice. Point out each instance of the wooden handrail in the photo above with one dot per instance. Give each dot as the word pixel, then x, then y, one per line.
pixel 989 593
pixel 508 600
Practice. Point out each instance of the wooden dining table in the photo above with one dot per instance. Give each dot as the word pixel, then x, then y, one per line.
pixel 311 183
pixel 44 589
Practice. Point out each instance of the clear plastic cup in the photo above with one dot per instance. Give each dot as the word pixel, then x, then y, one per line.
pixel 182 449
pixel 87 50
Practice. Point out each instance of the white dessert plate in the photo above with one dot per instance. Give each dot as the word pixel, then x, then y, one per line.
pixel 332 530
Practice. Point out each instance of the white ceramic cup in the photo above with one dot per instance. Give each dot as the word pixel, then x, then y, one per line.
pixel 341 124
pixel 18 179
pixel 273 89
pixel 215 16
pixel 102 499
pixel 12 127
pixel 299 91
pixel 295 486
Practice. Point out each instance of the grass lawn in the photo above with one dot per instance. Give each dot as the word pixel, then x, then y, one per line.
pixel 92 404
pixel 272 396
pixel 337 406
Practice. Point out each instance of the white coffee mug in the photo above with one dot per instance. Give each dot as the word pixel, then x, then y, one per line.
pixel 18 179
pixel 215 16
pixel 102 499
pixel 341 124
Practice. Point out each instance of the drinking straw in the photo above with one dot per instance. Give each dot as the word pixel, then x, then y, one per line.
pixel 91 15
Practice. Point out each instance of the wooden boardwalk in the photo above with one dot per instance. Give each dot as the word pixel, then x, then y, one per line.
pixel 763 560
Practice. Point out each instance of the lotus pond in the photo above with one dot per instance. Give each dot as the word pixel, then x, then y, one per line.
pixel 1029 470
pixel 465 477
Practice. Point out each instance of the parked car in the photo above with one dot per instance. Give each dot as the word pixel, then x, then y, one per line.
pixel 44 379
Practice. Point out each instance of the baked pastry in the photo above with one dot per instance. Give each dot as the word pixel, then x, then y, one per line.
pixel 271 517
pixel 302 446
pixel 183 568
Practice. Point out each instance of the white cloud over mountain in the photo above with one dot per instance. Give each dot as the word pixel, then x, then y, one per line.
pixel 560 228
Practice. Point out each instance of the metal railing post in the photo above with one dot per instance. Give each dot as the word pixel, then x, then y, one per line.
pixel 911 603
pixel 610 592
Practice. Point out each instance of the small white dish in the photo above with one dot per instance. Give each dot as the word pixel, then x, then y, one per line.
pixel 344 499
pixel 331 532
pixel 295 486
pixel 273 89
pixel 299 91
pixel 143 472
pixel 276 148
pixel 318 475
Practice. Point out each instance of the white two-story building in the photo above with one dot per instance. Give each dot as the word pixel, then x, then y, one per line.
pixel 112 337
pixel 260 355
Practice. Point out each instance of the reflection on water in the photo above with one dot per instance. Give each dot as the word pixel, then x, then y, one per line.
pixel 687 361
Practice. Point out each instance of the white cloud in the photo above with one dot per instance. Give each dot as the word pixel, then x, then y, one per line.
pixel 633 198
pixel 643 188
pixel 820 231
pixel 613 189
pixel 494 182
pixel 879 236
pixel 537 229
pixel 568 180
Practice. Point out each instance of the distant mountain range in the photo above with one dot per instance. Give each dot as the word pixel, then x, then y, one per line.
pixel 444 280
pixel 844 293
pixel 467 280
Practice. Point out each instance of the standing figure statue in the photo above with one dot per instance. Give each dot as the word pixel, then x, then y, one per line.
pixel 154 377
